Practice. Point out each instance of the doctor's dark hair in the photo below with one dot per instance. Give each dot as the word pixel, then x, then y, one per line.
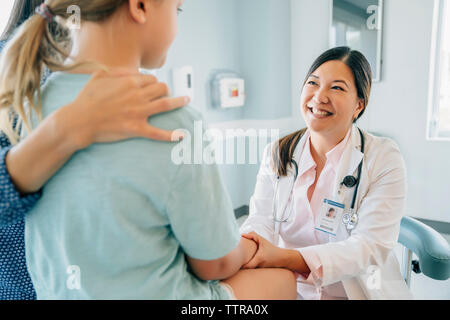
pixel 283 150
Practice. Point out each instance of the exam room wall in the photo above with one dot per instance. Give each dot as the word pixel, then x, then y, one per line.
pixel 207 39
pixel 251 37
pixel 398 106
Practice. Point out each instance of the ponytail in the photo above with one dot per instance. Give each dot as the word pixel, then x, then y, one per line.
pixel 21 68
pixel 33 47
pixel 283 152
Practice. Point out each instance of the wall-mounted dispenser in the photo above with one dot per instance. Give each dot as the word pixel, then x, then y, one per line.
pixel 227 89
pixel 183 82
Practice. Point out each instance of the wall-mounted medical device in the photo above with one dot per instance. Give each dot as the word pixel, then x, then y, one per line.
pixel 227 89
pixel 183 82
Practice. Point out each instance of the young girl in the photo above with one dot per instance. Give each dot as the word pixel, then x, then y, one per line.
pixel 121 220
pixel 102 112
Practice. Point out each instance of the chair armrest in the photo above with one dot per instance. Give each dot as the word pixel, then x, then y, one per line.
pixel 431 248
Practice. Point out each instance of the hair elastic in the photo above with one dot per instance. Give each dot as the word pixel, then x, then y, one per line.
pixel 44 11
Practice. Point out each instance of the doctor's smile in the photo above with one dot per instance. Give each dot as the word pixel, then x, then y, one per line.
pixel 99 199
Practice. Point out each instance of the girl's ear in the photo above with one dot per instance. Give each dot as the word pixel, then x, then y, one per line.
pixel 138 10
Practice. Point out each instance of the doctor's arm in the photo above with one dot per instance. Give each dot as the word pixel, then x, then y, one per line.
pixel 371 242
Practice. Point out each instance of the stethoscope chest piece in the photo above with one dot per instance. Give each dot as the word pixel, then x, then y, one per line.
pixel 350 181
pixel 350 220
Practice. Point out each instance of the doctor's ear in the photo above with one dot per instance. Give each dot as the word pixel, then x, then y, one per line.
pixel 138 10
pixel 359 109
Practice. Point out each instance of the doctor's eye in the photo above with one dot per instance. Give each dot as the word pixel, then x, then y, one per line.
pixel 338 88
pixel 311 82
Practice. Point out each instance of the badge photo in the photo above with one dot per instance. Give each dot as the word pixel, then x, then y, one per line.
pixel 329 218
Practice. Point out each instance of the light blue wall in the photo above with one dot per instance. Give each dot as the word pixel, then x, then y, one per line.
pixel 251 37
pixel 265 56
pixel 207 39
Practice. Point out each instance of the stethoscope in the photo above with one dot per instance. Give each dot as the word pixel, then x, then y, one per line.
pixel 349 219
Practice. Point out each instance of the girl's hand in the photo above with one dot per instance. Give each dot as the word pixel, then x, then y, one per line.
pixel 267 255
pixel 115 106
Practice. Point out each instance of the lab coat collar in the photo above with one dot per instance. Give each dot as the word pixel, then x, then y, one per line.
pixel 300 146
pixel 351 158
pixel 351 152
pixel 306 161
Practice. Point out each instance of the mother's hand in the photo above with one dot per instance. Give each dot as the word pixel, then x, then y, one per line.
pixel 267 254
pixel 115 106
pixel 112 106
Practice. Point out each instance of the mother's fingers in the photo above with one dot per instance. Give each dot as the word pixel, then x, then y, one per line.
pixel 165 105
pixel 154 91
pixel 154 133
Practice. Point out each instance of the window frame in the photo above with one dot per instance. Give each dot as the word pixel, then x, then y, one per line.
pixel 7 16
pixel 434 92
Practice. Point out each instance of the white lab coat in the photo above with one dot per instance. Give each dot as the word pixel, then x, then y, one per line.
pixel 380 203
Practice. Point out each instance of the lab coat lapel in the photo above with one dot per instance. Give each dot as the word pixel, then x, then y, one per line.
pixel 348 165
pixel 351 158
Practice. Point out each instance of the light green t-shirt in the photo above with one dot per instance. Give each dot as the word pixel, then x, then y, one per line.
pixel 120 216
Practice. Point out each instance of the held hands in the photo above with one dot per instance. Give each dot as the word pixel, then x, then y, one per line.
pixel 115 106
pixel 267 255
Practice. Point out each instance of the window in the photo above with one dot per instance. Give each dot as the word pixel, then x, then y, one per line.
pixel 439 93
pixel 5 11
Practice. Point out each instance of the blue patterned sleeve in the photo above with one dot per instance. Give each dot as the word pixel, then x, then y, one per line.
pixel 13 206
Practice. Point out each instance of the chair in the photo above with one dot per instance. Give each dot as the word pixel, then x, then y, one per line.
pixel 430 247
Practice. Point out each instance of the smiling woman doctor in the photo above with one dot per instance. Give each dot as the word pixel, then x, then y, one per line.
pixel 332 164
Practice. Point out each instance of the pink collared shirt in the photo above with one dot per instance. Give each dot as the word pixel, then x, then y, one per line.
pixel 300 232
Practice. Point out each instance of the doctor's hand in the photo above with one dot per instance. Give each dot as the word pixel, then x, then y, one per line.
pixel 267 254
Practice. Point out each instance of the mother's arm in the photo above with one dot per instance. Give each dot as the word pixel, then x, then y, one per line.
pixel 113 106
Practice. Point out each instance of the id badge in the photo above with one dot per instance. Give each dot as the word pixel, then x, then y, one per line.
pixel 329 217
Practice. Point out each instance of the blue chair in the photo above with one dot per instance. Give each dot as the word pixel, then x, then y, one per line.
pixel 430 247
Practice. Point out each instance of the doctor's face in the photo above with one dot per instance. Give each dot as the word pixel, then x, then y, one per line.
pixel 329 100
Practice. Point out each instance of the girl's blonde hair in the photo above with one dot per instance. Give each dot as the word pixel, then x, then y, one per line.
pixel 38 43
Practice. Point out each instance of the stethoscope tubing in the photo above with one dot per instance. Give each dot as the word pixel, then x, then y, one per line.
pixel 278 221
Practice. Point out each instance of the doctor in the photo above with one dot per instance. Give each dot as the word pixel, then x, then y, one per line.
pixel 332 164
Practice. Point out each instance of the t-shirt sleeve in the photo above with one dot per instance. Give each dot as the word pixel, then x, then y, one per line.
pixel 198 206
pixel 200 212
